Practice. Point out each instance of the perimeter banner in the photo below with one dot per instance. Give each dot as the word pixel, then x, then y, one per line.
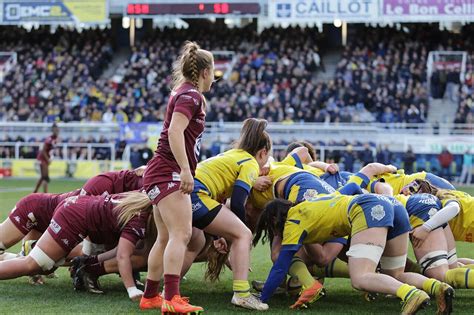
pixel 54 12
pixel 294 11
pixel 428 10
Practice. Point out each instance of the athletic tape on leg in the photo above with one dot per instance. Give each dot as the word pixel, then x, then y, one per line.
pixel 393 263
pixel 452 257
pixel 372 252
pixel 43 260
pixel 432 260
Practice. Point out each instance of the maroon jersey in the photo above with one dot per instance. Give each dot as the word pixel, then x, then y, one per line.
pixel 112 183
pixel 36 210
pixel 163 168
pixel 78 217
pixel 48 145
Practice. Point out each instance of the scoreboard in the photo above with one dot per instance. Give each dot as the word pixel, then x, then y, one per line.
pixel 193 9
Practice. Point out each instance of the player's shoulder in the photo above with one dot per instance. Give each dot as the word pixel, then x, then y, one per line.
pixel 187 92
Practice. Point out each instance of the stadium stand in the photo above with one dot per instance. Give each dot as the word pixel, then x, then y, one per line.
pixel 380 77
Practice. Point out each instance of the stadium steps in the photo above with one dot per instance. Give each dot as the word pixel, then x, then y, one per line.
pixel 442 111
pixel 120 57
pixel 330 61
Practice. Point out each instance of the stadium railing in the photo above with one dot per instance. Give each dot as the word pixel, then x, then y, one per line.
pixel 65 149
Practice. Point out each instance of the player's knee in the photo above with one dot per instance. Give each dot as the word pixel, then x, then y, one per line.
pixel 182 236
pixel 246 235
pixel 38 260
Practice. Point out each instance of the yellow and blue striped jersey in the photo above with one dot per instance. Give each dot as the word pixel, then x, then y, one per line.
pixel 317 221
pixel 278 170
pixel 220 173
pixel 462 225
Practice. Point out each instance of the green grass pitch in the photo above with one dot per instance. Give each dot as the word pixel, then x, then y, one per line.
pixel 58 296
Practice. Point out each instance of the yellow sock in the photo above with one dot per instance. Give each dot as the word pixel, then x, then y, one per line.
pixel 430 286
pixel 460 278
pixel 299 270
pixel 337 269
pixel 405 291
pixel 241 287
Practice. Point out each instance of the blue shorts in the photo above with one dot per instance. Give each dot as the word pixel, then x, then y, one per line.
pixel 401 221
pixel 339 240
pixel 345 175
pixel 370 211
pixel 337 180
pixel 439 182
pixel 205 209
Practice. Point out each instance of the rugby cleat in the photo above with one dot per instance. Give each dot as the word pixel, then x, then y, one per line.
pixel 369 296
pixel 258 286
pixel 444 299
pixel 308 296
pixel 179 305
pixel 250 302
pixel 151 303
pixel 417 301
pixel 36 280
pixel 91 283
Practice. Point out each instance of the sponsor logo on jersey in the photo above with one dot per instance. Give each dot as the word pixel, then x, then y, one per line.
pixel 175 177
pixel 171 185
pixel 327 186
pixel 54 226
pixel 153 193
pixel 432 212
pixel 428 201
pixel 377 212
pixel 17 219
pixel 83 192
pixel 310 195
pixel 31 216
pixel 31 221
pixel 196 206
pixel 65 241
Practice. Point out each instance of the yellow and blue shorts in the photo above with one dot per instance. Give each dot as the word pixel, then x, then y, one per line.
pixel 205 209
pixel 401 221
pixel 370 211
pixel 303 186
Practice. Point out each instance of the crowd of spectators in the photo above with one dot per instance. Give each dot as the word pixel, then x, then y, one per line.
pixel 381 75
pixel 57 77
pixel 465 112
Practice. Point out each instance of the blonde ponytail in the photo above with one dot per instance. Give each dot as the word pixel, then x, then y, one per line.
pixel 131 204
pixel 190 63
